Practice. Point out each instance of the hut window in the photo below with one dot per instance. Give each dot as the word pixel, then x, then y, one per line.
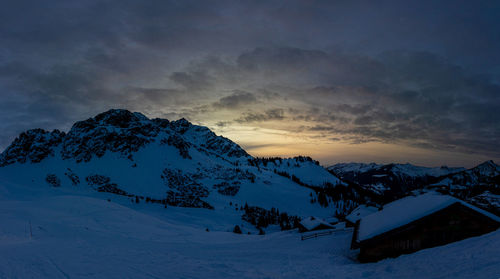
pixel 416 244
pixel 403 244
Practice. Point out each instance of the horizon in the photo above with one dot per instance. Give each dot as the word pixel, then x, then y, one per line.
pixel 339 82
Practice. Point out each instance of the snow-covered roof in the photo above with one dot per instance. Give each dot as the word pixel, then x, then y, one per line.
pixel 407 210
pixel 360 212
pixel 312 222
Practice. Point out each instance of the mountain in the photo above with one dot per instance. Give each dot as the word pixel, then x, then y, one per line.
pixel 391 180
pixel 117 131
pixel 479 185
pixel 485 174
pixel 171 166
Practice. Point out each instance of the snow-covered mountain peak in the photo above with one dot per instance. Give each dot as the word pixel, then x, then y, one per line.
pixel 485 174
pixel 119 118
pixel 117 131
pixel 182 123
pixel 488 168
pixel 415 171
pixel 399 169
pixel 357 167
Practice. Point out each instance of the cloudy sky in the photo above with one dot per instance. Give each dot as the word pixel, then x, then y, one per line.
pixel 368 81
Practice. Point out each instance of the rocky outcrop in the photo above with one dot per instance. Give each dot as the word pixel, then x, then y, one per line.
pixel 31 146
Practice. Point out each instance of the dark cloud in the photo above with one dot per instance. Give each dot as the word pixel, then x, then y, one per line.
pixel 193 81
pixel 236 100
pixel 274 60
pixel 268 115
pixel 222 124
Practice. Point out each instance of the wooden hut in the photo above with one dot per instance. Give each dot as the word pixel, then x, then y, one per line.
pixel 413 223
pixel 314 224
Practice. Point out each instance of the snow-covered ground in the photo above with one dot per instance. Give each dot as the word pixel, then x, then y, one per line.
pixel 75 236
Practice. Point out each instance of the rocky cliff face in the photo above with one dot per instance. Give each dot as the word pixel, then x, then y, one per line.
pixel 32 146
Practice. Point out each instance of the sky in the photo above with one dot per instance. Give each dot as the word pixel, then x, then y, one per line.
pixel 340 81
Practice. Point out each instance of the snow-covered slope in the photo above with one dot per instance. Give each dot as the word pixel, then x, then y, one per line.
pixel 304 169
pixel 134 160
pixel 75 236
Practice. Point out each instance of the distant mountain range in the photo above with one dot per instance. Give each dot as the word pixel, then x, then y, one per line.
pixel 131 159
pixel 479 185
pixel 391 178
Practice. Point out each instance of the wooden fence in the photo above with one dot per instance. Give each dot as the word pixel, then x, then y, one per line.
pixel 318 234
